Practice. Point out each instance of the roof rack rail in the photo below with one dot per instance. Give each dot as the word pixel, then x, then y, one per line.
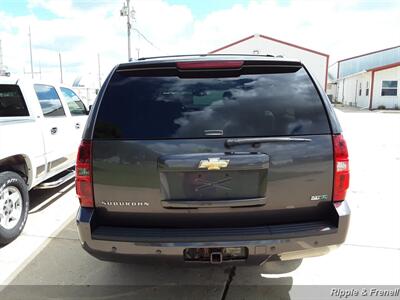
pixel 202 55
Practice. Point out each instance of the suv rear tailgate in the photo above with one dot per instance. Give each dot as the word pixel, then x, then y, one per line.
pixel 131 189
pixel 161 159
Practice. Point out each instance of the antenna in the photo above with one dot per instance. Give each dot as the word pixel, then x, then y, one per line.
pixel 30 49
pixel 61 70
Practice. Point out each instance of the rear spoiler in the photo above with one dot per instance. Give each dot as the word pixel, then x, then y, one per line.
pixel 177 68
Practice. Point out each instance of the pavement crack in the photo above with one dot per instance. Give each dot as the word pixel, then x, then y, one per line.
pixel 232 273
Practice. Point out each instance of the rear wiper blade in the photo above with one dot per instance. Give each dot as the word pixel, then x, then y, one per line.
pixel 257 141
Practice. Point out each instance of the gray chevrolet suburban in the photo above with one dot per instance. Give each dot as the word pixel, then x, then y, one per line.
pixel 212 158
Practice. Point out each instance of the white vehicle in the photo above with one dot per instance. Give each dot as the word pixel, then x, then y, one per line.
pixel 40 130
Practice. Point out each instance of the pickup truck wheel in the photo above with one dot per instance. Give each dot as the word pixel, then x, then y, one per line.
pixel 14 203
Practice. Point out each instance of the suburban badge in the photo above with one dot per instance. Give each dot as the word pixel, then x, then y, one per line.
pixel 214 163
pixel 124 203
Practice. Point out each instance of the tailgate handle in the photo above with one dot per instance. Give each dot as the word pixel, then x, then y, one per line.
pixel 257 141
pixel 213 203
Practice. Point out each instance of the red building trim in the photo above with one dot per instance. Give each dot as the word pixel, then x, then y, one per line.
pixel 281 42
pixel 389 66
pixel 372 89
pixel 384 67
pixel 377 69
pixel 232 44
pixel 338 66
pixel 293 45
pixel 326 72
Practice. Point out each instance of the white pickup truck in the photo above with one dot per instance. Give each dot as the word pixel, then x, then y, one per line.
pixel 40 130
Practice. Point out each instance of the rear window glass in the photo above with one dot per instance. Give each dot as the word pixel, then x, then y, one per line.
pixel 273 104
pixel 12 104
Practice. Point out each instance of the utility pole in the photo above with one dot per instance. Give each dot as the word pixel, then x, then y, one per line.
pixel 126 12
pixel 128 23
pixel 61 72
pixel 98 63
pixel 1 60
pixel 3 69
pixel 30 49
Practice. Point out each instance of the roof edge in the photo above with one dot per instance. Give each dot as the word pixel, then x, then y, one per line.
pixel 385 67
pixel 365 54
pixel 293 45
pixel 232 44
pixel 272 39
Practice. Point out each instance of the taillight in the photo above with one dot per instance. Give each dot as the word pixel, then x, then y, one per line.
pixel 342 172
pixel 217 64
pixel 83 176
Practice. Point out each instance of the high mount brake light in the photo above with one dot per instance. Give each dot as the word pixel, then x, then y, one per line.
pixel 217 64
pixel 341 168
pixel 83 177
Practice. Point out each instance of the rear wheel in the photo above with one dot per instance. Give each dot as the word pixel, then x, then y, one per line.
pixel 14 203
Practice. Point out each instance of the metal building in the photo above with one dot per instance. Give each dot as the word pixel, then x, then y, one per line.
pixel 315 61
pixel 369 80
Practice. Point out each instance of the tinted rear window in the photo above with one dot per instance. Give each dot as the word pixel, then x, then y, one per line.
pixel 273 104
pixel 12 104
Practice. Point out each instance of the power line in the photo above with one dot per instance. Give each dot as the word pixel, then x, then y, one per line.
pixel 127 12
pixel 147 40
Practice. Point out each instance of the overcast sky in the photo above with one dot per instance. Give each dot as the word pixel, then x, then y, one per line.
pixel 80 29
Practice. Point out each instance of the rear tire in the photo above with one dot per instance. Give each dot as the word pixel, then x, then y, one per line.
pixel 14 205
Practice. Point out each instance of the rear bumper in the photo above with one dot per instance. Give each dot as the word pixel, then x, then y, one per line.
pixel 282 242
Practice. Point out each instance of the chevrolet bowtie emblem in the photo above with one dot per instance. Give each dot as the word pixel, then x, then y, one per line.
pixel 214 163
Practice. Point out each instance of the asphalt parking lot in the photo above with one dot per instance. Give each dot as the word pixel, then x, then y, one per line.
pixel 46 261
